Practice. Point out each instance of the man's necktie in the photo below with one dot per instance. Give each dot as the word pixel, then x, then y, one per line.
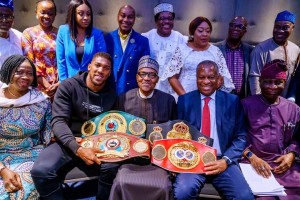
pixel 205 126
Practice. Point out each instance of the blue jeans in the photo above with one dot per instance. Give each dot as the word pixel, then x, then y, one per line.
pixel 52 159
pixel 231 184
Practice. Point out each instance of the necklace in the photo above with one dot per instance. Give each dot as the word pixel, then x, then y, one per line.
pixel 12 94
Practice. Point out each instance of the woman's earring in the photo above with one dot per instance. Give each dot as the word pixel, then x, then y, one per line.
pixel 191 38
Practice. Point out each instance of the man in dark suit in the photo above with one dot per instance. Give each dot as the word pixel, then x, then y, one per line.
pixel 126 47
pixel 237 55
pixel 225 125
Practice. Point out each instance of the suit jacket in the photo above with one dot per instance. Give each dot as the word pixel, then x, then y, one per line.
pixel 245 90
pixel 125 64
pixel 67 62
pixel 229 119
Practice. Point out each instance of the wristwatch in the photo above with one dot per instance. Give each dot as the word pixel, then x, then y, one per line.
pixel 227 160
pixel 249 154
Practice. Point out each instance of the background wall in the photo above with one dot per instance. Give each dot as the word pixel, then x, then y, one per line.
pixel 259 13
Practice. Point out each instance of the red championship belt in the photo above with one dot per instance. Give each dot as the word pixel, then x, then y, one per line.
pixel 182 155
pixel 117 146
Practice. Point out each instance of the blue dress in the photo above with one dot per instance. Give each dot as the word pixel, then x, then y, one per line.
pixel 23 133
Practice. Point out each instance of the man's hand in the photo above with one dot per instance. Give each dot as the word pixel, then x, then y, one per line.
pixel 11 180
pixel 285 162
pixel 260 166
pixel 88 155
pixel 215 167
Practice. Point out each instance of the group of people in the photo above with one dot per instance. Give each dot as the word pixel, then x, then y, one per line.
pixel 55 79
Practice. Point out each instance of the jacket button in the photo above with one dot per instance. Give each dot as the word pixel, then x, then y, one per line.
pixel 115 56
pixel 127 70
pixel 130 58
pixel 127 83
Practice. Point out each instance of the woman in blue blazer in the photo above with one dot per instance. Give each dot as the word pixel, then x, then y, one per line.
pixel 77 41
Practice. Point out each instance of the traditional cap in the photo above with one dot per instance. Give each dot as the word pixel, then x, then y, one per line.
pixel 163 7
pixel 286 16
pixel 7 3
pixel 148 62
pixel 275 69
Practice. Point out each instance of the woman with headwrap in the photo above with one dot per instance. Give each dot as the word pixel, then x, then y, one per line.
pixel 25 115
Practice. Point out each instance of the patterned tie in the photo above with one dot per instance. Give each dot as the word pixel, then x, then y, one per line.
pixel 206 118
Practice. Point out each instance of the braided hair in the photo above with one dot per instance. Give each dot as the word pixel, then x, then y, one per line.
pixel 11 64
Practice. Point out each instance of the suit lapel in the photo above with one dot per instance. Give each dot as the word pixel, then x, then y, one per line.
pixel 198 117
pixel 219 112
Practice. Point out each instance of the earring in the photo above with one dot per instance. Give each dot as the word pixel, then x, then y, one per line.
pixel 191 37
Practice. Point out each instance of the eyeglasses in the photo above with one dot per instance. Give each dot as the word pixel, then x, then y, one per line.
pixel 8 18
pixel 165 18
pixel 284 28
pixel 23 73
pixel 151 75
pixel 238 26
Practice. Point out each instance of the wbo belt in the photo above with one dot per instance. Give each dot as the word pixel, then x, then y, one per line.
pixel 117 146
pixel 182 155
pixel 176 129
pixel 114 121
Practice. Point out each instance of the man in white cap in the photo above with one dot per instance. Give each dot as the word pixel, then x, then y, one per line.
pixel 163 40
pixel 9 38
pixel 155 107
pixel 277 47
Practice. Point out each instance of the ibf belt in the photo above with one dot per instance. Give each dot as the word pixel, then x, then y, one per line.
pixel 114 121
pixel 117 146
pixel 182 155
pixel 176 129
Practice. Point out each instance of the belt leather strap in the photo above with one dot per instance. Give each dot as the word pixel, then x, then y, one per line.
pixel 182 155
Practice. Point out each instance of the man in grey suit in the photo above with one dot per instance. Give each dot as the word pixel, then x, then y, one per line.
pixel 237 55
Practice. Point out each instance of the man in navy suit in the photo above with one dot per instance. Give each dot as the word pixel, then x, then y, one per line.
pixel 227 128
pixel 126 47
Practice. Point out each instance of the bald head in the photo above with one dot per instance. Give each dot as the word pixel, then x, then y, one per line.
pixel 127 7
pixel 126 19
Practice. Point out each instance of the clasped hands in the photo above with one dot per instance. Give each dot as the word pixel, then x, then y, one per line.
pixel 264 169
pixel 11 180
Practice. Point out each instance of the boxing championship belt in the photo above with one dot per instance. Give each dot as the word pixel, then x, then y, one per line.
pixel 176 129
pixel 117 146
pixel 114 121
pixel 182 155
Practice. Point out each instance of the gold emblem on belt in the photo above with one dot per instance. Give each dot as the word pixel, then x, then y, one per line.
pixel 180 130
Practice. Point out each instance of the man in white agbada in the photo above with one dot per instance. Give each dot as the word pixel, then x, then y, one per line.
pixel 163 41
pixel 9 38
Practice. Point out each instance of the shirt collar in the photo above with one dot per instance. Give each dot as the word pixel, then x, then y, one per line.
pixel 212 96
pixel 145 97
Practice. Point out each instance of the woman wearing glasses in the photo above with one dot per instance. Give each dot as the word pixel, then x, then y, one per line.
pixel 25 115
pixel 77 40
pixel 181 71
pixel 38 44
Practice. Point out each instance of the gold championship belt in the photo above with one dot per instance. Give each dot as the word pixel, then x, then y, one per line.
pixel 114 121
pixel 117 146
pixel 176 129
pixel 182 155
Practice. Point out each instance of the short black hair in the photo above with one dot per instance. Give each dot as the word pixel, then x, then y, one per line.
pixel 103 55
pixel 11 64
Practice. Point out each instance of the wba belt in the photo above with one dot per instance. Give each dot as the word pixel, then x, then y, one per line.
pixel 182 155
pixel 176 129
pixel 114 121
pixel 117 146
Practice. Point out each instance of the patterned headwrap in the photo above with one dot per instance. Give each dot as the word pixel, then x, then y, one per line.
pixel 275 69
pixel 7 3
pixel 286 16
pixel 163 7
pixel 148 62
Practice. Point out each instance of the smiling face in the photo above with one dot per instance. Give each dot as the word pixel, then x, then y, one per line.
pixel 22 77
pixel 165 24
pixel 202 35
pixel 208 79
pixel 282 31
pixel 126 19
pixel 146 79
pixel 271 89
pixel 83 16
pixel 99 71
pixel 45 13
